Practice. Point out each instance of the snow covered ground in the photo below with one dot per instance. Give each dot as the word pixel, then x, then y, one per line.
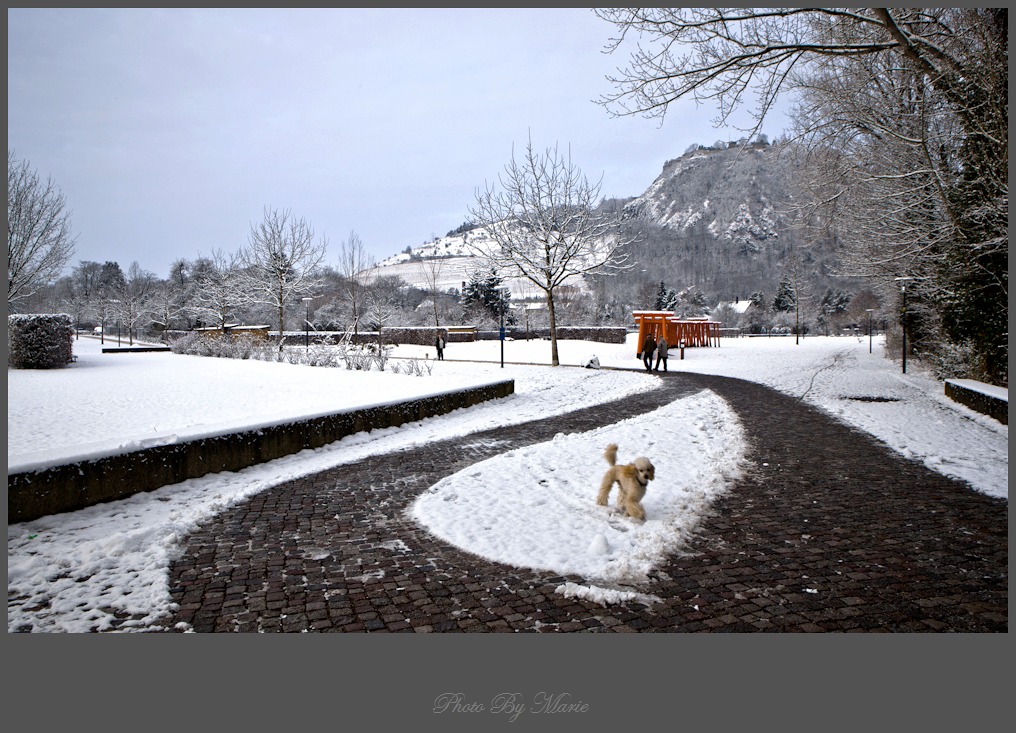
pixel 69 572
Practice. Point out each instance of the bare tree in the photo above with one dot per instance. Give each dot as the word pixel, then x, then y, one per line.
pixel 908 106
pixel 217 293
pixel 39 240
pixel 355 263
pixel 133 298
pixel 83 283
pixel 432 278
pixel 545 226
pixel 280 263
pixel 793 293
pixel 381 308
pixel 105 298
pixel 167 303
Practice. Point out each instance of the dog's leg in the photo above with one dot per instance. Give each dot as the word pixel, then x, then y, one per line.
pixel 635 511
pixel 622 494
pixel 633 501
pixel 605 486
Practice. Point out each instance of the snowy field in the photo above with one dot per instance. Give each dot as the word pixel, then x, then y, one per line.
pixel 66 573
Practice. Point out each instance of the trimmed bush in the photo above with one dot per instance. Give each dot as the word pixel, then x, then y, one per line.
pixel 40 341
pixel 420 335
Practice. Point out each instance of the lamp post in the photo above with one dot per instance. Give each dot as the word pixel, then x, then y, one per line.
pixel 869 310
pixel 306 325
pixel 903 289
pixel 500 309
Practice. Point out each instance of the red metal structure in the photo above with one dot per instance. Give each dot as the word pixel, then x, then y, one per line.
pixel 693 332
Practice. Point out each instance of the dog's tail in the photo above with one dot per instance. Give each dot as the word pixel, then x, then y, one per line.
pixel 611 454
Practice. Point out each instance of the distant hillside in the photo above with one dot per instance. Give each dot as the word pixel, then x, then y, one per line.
pixel 451 258
pixel 715 219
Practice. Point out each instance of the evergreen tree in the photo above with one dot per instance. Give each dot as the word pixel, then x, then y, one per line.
pixel 666 299
pixel 832 309
pixel 786 296
pixel 488 291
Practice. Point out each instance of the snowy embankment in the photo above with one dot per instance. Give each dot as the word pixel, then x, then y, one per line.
pixel 82 570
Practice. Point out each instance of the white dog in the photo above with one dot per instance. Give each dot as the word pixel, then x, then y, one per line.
pixel 632 480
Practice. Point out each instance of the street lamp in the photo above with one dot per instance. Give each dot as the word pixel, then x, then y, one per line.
pixel 501 308
pixel 869 310
pixel 903 289
pixel 306 325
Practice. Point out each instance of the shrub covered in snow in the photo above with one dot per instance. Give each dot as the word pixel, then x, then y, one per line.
pixel 329 352
pixel 232 346
pixel 40 341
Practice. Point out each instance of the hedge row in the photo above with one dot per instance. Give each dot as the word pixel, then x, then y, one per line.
pixel 601 334
pixel 40 341
pixel 426 335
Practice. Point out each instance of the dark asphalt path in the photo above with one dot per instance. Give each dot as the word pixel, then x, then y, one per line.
pixel 828 531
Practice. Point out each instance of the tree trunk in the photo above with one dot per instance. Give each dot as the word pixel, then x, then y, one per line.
pixel 281 323
pixel 554 361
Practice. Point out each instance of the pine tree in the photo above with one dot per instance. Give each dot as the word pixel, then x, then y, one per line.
pixel 489 292
pixel 786 297
pixel 666 298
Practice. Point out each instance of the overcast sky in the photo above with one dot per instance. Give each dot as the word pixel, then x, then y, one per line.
pixel 170 131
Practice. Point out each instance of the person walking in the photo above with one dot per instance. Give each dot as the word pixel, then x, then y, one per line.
pixel 439 344
pixel 648 347
pixel 661 353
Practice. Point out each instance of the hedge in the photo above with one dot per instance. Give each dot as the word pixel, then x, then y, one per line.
pixel 40 340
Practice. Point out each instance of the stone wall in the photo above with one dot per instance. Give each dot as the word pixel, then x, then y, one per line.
pixel 981 397
pixel 35 494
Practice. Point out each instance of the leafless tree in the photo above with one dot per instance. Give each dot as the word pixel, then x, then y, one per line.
pixel 166 304
pixel 725 55
pixel 132 301
pixel 82 285
pixel 217 293
pixel 795 285
pixel 432 278
pixel 905 108
pixel 543 219
pixel 355 263
pixel 39 239
pixel 381 309
pixel 280 263
pixel 105 297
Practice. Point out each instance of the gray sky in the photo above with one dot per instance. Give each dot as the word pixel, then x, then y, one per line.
pixel 170 131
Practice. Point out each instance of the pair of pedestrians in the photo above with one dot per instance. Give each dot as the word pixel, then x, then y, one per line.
pixel 649 346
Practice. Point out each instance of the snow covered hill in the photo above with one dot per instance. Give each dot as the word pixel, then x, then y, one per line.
pixel 450 261
pixel 716 219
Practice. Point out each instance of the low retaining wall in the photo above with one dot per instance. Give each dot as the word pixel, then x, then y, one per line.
pixel 133 349
pixel 65 488
pixel 984 398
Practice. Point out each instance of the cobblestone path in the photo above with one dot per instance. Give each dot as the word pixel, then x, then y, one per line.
pixel 828 531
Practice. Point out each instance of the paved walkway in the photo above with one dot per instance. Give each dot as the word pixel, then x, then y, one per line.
pixel 829 531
